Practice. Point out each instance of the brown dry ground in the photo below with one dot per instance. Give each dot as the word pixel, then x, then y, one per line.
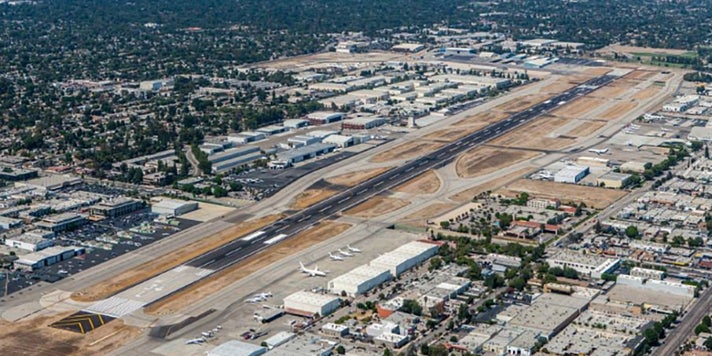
pixel 34 337
pixel 170 260
pixel 557 87
pixel 212 284
pixel 454 133
pixel 354 178
pixel 522 103
pixel 633 49
pixel 377 206
pixel 579 107
pixel 469 193
pixel 598 70
pixel 426 183
pixel 310 197
pixel 483 118
pixel 586 128
pixel 484 160
pixel 406 150
pixel 592 196
pixel 421 216
pixel 579 78
pixel 609 92
pixel 617 111
pixel 647 92
pixel 640 74
pixel 533 135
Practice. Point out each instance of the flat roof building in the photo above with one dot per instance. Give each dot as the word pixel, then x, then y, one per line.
pixel 173 207
pixel 295 123
pixel 237 348
pixel 613 180
pixel 571 174
pixel 51 182
pixel 49 256
pixel 324 117
pixel 590 266
pixel 359 280
pixel 311 304
pixel 116 207
pixel 61 222
pixel 28 242
pixel 363 123
pixel 304 153
pixel 340 141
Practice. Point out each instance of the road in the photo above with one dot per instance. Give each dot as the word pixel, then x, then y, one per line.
pixel 281 230
pixel 677 336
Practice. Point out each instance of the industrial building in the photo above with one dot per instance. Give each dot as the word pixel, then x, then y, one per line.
pixel 405 257
pixel 7 223
pixel 655 285
pixel 335 330
pixel 233 153
pixel 295 123
pixel 47 257
pixel 51 182
pixel 246 137
pixel 613 180
pixel 271 130
pixel 324 117
pixel 15 174
pixel 359 280
pixel 311 304
pixel 28 242
pixel 236 347
pixel 592 266
pixel 278 339
pixel 237 162
pixel 172 207
pixel 363 123
pixel 408 47
pixel 634 167
pixel 340 141
pixel 571 174
pixel 302 140
pixel 116 207
pixel 304 153
pixel 61 222
pixel 647 273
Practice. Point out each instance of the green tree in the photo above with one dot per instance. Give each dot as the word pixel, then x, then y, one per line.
pixel 341 350
pixel 631 232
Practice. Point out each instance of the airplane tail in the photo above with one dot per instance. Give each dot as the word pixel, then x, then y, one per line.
pixel 301 265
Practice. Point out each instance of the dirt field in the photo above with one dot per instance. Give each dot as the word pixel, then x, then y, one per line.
pixel 469 193
pixel 421 216
pixel 592 196
pixel 617 111
pixel 207 211
pixel 452 134
pixel 170 260
pixel 353 178
pixel 176 302
pixel 598 70
pixel 579 78
pixel 633 49
pixel 406 150
pixel 34 337
pixel 534 135
pixel 485 160
pixel 377 206
pixel 483 118
pixel 557 87
pixel 310 197
pixel 578 108
pixel 522 103
pixel 647 92
pixel 609 92
pixel 640 74
pixel 426 183
pixel 586 128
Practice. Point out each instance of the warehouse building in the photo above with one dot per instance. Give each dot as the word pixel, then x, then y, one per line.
pixel 647 273
pixel 47 257
pixel 359 281
pixel 278 339
pixel 51 182
pixel 28 242
pixel 271 130
pixel 363 123
pixel 241 161
pixel 7 223
pixel 613 180
pixel 335 330
pixel 571 174
pixel 405 257
pixel 61 222
pixel 237 348
pixel 408 47
pixel 324 117
pixel 310 304
pixel 295 123
pixel 302 140
pixel 634 167
pixel 233 153
pixel 172 207
pixel 657 286
pixel 591 266
pixel 340 141
pixel 116 207
pixel 15 174
pixel 304 153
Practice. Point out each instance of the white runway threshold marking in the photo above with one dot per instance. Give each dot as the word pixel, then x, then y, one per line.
pixel 275 239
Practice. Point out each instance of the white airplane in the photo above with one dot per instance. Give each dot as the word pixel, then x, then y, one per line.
pixel 255 299
pixel 345 253
pixel 312 272
pixel 335 257
pixel 353 249
pixel 598 151
pixel 199 340
pixel 264 295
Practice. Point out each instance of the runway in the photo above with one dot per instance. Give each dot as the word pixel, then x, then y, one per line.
pixel 281 230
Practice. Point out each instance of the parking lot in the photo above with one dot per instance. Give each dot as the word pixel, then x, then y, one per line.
pixel 97 252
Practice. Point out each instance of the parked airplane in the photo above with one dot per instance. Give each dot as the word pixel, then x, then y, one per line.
pixel 196 341
pixel 259 297
pixel 264 295
pixel 335 257
pixel 312 272
pixel 345 253
pixel 597 151
pixel 353 249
